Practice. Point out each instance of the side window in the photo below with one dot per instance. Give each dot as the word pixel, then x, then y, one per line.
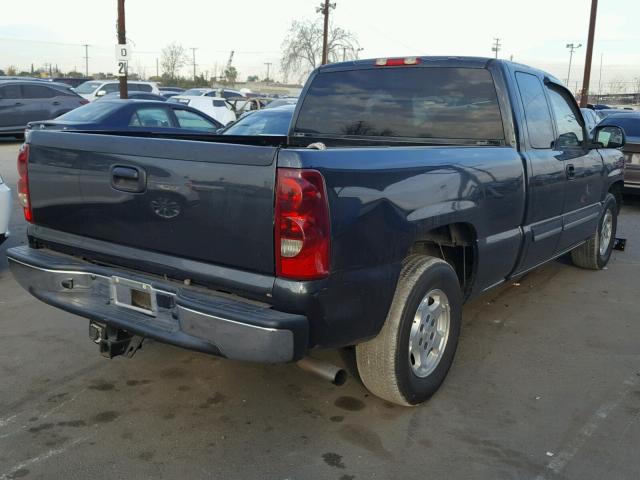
pixel 135 120
pixel 37 91
pixel 10 92
pixel 151 117
pixel 219 103
pixel 187 119
pixel 139 87
pixel 536 110
pixel 111 87
pixel 570 133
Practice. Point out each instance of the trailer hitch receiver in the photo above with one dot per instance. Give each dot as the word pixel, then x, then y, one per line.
pixel 114 341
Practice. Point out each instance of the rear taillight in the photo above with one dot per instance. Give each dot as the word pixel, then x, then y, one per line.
pixel 23 182
pixel 302 235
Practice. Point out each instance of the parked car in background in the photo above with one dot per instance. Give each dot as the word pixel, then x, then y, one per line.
pixel 590 118
pixel 630 123
pixel 71 81
pixel 269 121
pixel 24 101
pixel 134 96
pixel 171 89
pixel 279 102
pixel 168 94
pixel 98 88
pixel 5 210
pixel 133 116
pixel 225 93
pixel 605 112
pixel 216 107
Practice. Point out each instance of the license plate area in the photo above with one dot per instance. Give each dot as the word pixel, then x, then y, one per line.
pixel 133 295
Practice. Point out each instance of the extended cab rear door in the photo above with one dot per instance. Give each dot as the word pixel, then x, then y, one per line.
pixel 583 168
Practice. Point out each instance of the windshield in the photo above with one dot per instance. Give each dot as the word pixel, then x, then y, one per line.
pixel 263 122
pixel 420 103
pixel 92 112
pixel 88 87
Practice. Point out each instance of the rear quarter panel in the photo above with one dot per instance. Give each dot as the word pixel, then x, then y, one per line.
pixel 383 199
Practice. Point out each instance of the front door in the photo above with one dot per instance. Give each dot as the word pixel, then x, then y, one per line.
pixel 583 169
pixel 11 107
pixel 546 179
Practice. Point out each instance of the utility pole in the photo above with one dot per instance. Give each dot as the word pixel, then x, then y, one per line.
pixel 496 46
pixel 122 40
pixel 571 48
pixel 268 64
pixel 194 62
pixel 324 9
pixel 86 60
pixel 584 97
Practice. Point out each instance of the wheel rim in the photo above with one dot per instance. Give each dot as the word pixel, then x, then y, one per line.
pixel 165 207
pixel 429 333
pixel 606 232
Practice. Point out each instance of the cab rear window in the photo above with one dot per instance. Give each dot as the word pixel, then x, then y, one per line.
pixel 417 102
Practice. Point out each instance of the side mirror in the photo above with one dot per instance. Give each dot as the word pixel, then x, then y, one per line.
pixel 609 136
pixel 101 93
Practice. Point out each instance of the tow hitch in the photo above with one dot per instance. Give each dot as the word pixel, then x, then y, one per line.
pixel 114 341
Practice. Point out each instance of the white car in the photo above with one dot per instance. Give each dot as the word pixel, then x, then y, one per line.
pixel 216 107
pixel 94 89
pixel 5 210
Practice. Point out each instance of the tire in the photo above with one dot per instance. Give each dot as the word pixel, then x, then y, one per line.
pixel 590 254
pixel 387 365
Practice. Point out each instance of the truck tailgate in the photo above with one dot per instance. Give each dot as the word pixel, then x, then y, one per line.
pixel 206 201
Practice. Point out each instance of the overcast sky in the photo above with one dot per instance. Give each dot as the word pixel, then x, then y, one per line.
pixel 534 32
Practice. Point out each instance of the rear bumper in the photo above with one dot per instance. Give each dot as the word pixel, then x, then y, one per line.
pixel 185 316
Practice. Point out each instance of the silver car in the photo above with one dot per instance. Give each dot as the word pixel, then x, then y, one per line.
pixel 24 101
pixel 5 210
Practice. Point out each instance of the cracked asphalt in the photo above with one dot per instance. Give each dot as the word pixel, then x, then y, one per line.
pixel 546 385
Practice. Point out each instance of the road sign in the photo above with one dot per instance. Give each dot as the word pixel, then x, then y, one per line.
pixel 123 53
pixel 121 68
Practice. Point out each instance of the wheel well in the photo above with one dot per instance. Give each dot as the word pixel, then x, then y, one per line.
pixel 616 190
pixel 455 244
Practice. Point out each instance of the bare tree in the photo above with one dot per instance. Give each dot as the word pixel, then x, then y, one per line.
pixel 174 57
pixel 302 47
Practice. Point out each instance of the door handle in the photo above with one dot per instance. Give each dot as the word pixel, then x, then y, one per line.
pixel 571 171
pixel 56 103
pixel 128 179
pixel 18 104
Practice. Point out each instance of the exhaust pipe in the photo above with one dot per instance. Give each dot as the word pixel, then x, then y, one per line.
pixel 325 370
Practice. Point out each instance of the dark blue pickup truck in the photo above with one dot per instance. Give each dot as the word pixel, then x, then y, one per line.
pixel 404 187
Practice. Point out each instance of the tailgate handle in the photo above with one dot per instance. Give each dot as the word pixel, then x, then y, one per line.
pixel 128 179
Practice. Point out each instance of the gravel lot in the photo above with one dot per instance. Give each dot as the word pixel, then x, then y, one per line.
pixel 546 384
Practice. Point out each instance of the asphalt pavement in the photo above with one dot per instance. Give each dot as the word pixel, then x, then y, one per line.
pixel 546 385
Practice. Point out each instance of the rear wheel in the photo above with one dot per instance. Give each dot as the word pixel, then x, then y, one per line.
pixel 595 253
pixel 410 357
